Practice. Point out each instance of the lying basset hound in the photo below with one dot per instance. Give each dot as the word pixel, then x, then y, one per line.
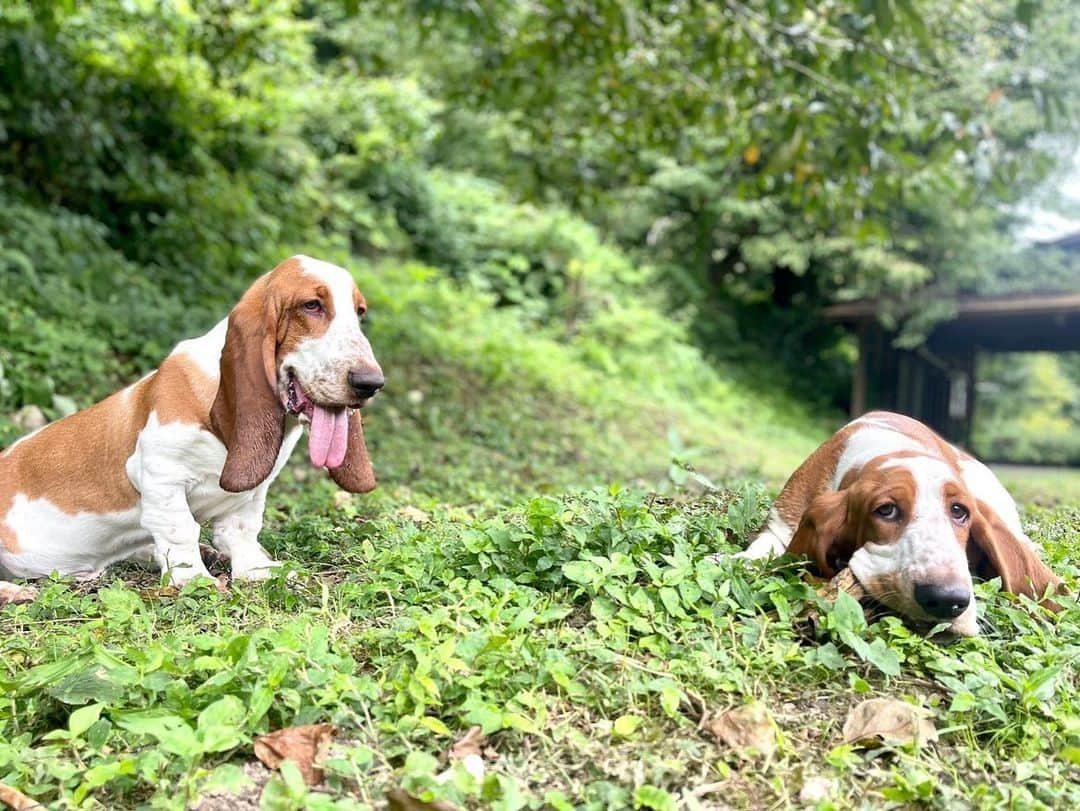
pixel 200 439
pixel 911 515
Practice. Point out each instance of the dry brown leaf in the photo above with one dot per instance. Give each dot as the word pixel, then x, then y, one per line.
pixel 414 514
pixel 16 800
pixel 471 743
pixel 167 592
pixel 888 720
pixel 303 745
pixel 12 594
pixel 749 730
pixel 470 751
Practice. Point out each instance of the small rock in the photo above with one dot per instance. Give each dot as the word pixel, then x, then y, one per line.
pixel 815 789
pixel 29 418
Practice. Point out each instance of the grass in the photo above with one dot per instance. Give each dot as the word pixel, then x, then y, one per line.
pixel 496 579
pixel 584 632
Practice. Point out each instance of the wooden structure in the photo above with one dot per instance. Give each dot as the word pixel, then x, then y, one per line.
pixel 936 382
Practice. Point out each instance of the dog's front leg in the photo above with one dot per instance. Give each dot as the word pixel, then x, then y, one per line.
pixel 167 517
pixel 771 542
pixel 237 535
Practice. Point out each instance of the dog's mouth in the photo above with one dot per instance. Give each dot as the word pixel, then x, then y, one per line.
pixel 296 400
pixel 329 437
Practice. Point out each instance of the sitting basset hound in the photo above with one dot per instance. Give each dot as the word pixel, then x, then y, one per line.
pixel 199 439
pixel 911 515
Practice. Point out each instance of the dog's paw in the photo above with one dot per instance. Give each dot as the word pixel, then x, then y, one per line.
pixel 180 576
pixel 256 570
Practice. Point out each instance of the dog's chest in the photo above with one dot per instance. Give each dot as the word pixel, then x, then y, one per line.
pixel 172 454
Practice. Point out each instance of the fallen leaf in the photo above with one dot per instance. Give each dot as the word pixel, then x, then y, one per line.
pixel 12 594
pixel 303 745
pixel 888 720
pixel 16 800
pixel 400 800
pixel 414 514
pixel 167 592
pixel 471 743
pixel 749 730
pixel 470 752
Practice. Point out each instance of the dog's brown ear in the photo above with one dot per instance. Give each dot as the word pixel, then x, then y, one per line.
pixel 994 551
pixel 822 534
pixel 355 474
pixel 247 414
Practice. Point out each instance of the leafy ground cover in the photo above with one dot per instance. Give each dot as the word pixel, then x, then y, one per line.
pixel 538 346
pixel 583 632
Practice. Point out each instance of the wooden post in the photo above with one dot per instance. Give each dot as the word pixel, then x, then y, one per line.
pixel 858 381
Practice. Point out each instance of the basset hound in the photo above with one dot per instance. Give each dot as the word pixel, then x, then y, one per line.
pixel 911 515
pixel 198 440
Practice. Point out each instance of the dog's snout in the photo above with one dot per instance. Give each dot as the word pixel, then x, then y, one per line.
pixel 365 383
pixel 943 601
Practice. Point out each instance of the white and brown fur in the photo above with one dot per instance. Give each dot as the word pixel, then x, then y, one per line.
pixel 198 440
pixel 950 518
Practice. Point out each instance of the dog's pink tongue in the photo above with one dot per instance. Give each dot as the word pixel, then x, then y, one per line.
pixel 329 437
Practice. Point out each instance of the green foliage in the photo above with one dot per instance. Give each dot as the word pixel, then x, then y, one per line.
pixel 77 318
pixel 768 158
pixel 1027 409
pixel 589 622
pixel 546 204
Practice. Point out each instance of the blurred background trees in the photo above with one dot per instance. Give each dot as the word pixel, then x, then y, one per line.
pixel 597 166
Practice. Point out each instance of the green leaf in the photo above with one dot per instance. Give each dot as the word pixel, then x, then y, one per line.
pixel 626 725
pixel 648 796
pixel 881 656
pixel 581 571
pixel 670 598
pixel 962 702
pixel 83 718
pixel 435 725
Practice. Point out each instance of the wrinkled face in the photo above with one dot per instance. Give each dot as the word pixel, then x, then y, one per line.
pixel 323 357
pixel 911 518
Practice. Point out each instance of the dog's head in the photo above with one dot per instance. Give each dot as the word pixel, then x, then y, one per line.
pixel 913 535
pixel 294 345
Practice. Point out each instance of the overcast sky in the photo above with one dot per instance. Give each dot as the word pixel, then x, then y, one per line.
pixel 1058 212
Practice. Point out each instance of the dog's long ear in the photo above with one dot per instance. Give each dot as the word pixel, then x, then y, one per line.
pixel 247 414
pixel 822 534
pixel 355 474
pixel 993 550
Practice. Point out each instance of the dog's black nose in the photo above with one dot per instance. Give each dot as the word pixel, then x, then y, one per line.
pixel 943 602
pixel 364 383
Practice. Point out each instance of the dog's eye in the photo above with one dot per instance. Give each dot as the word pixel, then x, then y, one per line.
pixel 360 314
pixel 887 511
pixel 959 512
pixel 314 306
